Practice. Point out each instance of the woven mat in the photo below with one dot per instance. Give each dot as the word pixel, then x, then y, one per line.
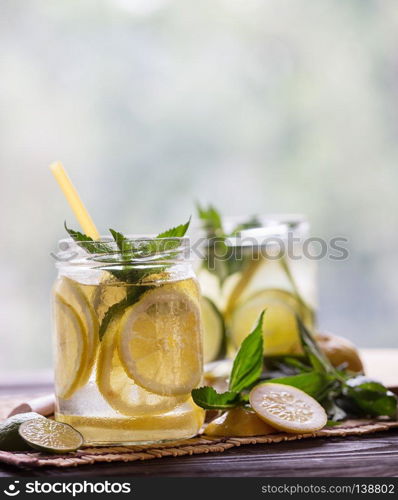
pixel 193 446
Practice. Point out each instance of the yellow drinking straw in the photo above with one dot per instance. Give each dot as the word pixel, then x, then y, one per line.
pixel 73 198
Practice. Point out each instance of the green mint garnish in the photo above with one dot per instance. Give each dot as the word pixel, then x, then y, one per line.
pixel 209 399
pixel 248 363
pixel 246 370
pixel 126 271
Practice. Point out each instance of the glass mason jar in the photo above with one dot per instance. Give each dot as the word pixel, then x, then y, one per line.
pixel 264 263
pixel 127 340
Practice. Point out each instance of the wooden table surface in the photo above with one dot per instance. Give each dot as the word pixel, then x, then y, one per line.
pixel 366 456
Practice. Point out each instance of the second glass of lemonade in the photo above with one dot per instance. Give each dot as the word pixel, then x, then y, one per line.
pixel 127 341
pixel 259 263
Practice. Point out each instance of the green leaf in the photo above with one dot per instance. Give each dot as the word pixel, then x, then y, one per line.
pixel 253 222
pixel 371 397
pixel 87 242
pixel 129 273
pixel 132 295
pixel 211 219
pixel 123 243
pixel 208 398
pixel 318 360
pixel 248 363
pixel 175 232
pixel 312 383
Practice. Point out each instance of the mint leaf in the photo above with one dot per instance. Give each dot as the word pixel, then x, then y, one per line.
pixel 250 224
pixel 175 232
pixel 208 398
pixel 123 244
pixel 132 295
pixel 211 219
pixel 313 383
pixel 246 370
pixel 128 272
pixel 87 242
pixel 248 363
pixel 371 397
pixel 318 360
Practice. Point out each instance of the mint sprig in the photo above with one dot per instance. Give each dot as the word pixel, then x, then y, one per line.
pixel 248 363
pixel 128 272
pixel 341 394
pixel 246 370
pixel 209 399
pixel 175 232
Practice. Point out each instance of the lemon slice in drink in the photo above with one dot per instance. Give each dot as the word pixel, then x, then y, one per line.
pixel 107 292
pixel 72 294
pixel 287 408
pixel 119 390
pixel 160 343
pixel 213 330
pixel 48 435
pixel 279 327
pixel 71 348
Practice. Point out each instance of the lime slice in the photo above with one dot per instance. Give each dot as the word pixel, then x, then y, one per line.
pixel 71 353
pixel 51 436
pixel 71 293
pixel 10 440
pixel 279 327
pixel 213 330
pixel 160 344
pixel 119 390
pixel 238 422
pixel 287 408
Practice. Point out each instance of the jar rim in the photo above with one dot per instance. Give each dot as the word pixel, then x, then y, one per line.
pixel 134 250
pixel 263 230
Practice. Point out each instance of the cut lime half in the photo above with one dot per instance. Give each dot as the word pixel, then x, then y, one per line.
pixel 50 436
pixel 10 440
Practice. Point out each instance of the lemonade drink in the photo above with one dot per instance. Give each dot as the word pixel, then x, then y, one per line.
pixel 249 265
pixel 127 338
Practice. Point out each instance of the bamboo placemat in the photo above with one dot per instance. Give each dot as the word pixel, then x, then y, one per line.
pixel 194 446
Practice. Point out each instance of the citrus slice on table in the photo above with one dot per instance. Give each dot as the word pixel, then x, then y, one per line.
pixel 71 351
pixel 287 408
pixel 118 389
pixel 48 435
pixel 280 329
pixel 160 344
pixel 213 330
pixel 239 422
pixel 71 293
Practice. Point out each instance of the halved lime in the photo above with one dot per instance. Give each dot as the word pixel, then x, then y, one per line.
pixel 48 435
pixel 10 440
pixel 279 326
pixel 213 330
pixel 287 408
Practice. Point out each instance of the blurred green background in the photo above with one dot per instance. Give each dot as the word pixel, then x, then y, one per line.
pixel 256 105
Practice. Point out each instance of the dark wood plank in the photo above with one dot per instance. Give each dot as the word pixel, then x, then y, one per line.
pixel 366 456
